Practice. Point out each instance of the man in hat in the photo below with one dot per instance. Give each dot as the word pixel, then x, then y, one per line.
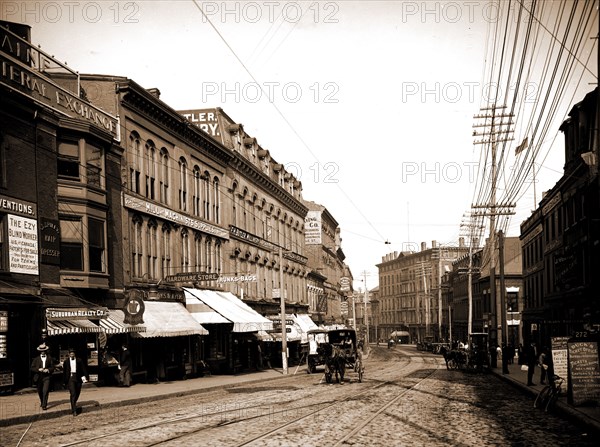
pixel 42 368
pixel 74 375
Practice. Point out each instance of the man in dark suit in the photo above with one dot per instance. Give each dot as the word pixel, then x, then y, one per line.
pixel 74 375
pixel 125 367
pixel 42 368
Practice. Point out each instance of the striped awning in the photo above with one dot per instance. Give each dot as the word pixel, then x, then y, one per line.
pixel 168 319
pixel 61 327
pixel 115 323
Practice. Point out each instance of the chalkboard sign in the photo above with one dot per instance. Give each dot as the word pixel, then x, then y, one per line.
pixel 584 372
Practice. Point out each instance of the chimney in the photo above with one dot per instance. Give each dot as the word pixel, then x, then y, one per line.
pixel 433 244
pixel 154 92
pixel 461 242
pixel 475 242
pixel 423 246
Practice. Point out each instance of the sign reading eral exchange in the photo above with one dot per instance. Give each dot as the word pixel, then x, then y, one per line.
pixel 76 313
pixel 30 82
pixel 173 216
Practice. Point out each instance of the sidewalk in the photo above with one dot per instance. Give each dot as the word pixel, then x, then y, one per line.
pixel 24 405
pixel 588 416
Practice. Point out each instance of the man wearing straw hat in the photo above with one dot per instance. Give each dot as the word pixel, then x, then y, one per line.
pixel 42 368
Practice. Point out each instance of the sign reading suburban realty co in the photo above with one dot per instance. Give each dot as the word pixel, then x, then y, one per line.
pixel 76 313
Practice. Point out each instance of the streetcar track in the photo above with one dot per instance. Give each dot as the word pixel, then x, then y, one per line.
pixel 176 420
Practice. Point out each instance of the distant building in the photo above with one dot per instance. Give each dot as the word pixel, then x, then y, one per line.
pixel 561 239
pixel 410 291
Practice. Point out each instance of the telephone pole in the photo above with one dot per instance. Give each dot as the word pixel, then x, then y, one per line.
pixel 496 128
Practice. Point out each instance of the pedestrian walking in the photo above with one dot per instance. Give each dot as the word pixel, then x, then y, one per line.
pixel 125 367
pixel 521 354
pixel 42 368
pixel 543 364
pixel 74 375
pixel 505 358
pixel 532 360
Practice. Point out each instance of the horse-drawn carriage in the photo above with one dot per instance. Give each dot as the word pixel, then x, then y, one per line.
pixel 335 349
pixel 474 358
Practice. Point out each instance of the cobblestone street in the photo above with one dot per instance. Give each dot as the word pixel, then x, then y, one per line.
pixel 407 398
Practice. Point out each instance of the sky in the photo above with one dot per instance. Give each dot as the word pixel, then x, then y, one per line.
pixel 370 104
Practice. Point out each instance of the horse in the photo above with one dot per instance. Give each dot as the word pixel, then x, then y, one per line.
pixel 335 363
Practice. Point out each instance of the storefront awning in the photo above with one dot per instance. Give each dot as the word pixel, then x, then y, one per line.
pixel 168 319
pixel 202 313
pixel 293 330
pixel 306 324
pixel 61 327
pixel 243 317
pixel 115 323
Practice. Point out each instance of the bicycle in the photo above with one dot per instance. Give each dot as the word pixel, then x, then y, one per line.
pixel 548 396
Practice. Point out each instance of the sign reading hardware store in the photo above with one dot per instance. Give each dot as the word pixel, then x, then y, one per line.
pixel 190 277
pixel 17 76
pixel 165 213
pixel 76 313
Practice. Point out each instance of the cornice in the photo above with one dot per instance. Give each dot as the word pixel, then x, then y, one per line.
pixel 145 104
pixel 255 176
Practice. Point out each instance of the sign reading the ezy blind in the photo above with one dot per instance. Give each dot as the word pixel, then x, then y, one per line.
pixel 22 245
pixel 584 372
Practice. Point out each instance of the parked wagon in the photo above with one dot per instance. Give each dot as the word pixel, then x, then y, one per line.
pixel 337 351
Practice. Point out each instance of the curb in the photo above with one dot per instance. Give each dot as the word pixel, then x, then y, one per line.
pixel 560 407
pixel 133 401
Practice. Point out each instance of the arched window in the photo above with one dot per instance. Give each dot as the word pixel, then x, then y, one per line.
pixel 182 184
pixel 164 176
pixel 185 251
pixel 137 247
pixel 218 257
pixel 234 207
pixel 166 250
pixel 198 252
pixel 135 165
pixel 208 255
pixel 206 190
pixel 216 201
pixel 152 249
pixel 150 169
pixel 197 193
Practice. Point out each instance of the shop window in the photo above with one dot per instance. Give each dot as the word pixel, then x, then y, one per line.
pixel 71 244
pixel 68 160
pixel 96 245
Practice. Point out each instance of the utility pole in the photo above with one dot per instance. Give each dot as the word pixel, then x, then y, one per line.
pixel 440 294
pixel 284 362
pixel 471 227
pixel 496 130
pixel 366 296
